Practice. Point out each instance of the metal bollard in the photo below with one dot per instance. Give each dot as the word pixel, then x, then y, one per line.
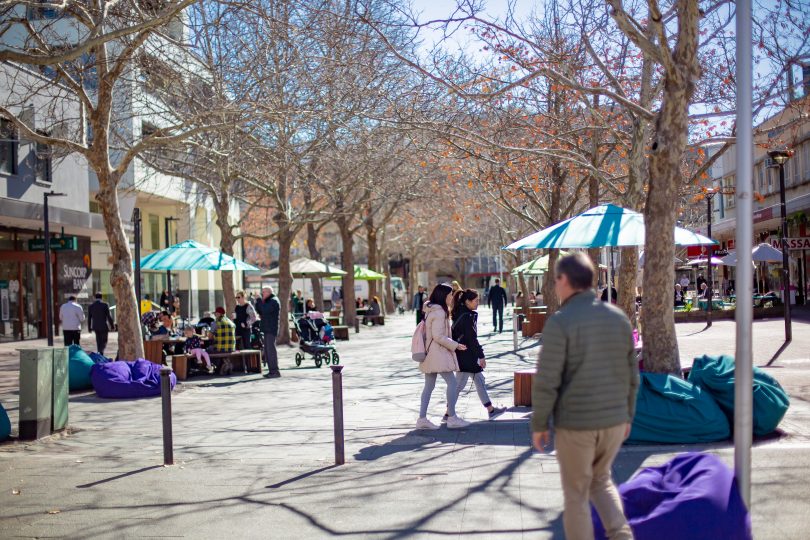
pixel 337 405
pixel 357 325
pixel 166 398
pixel 515 330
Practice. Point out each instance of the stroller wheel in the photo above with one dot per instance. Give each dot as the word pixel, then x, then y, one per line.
pixel 318 360
pixel 298 358
pixel 335 358
pixel 326 359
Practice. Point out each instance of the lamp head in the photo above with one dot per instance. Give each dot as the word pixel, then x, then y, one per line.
pixel 780 156
pixel 55 194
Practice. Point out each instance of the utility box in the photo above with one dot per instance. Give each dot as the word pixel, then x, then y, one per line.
pixel 36 393
pixel 61 388
pixel 44 386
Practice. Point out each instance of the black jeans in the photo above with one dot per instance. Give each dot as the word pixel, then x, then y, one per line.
pixel 72 337
pixel 244 335
pixel 101 341
pixel 497 312
pixel 419 316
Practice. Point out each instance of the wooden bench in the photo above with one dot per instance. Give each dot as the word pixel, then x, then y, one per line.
pixel 523 387
pixel 153 351
pixel 341 332
pixel 376 319
pixel 250 359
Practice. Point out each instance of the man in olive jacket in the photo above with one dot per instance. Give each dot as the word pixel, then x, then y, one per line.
pixel 268 309
pixel 587 377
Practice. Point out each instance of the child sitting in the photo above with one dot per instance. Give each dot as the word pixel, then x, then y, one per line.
pixel 194 345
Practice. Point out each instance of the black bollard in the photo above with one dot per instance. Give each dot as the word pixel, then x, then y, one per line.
pixel 337 405
pixel 357 325
pixel 166 398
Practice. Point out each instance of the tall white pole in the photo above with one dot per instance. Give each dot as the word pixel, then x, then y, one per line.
pixel 743 370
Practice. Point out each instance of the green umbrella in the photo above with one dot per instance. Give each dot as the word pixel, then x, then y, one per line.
pixel 537 267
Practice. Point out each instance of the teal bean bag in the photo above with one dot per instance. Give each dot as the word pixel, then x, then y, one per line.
pixel 715 375
pixel 79 364
pixel 674 411
pixel 5 424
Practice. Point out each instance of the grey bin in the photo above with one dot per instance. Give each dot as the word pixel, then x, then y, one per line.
pixel 43 392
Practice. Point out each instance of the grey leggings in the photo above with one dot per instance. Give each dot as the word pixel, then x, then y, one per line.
pixel 452 392
pixel 480 385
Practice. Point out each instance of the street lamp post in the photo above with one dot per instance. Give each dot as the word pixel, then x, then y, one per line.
pixel 136 219
pixel 779 157
pixel 169 272
pixel 48 286
pixel 710 193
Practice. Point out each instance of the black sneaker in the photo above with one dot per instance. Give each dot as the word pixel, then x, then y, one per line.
pixel 271 375
pixel 496 412
pixel 444 419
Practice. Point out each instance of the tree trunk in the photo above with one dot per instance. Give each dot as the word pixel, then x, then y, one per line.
pixel 413 279
pixel 549 294
pixel 347 259
pixel 671 128
pixel 373 262
pixel 627 281
pixel 130 339
pixel 524 302
pixel 226 244
pixel 285 282
pixel 315 255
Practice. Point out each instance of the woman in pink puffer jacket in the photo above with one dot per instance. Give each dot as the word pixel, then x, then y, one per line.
pixel 440 358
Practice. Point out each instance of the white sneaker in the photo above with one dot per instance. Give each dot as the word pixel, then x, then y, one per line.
pixel 454 422
pixel 424 423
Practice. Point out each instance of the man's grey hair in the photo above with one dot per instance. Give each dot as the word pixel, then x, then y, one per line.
pixel 579 270
pixel 268 289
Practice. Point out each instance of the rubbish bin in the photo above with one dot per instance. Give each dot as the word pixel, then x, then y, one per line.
pixel 43 392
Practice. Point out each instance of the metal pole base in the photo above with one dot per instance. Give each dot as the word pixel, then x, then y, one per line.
pixel 337 406
pixel 166 399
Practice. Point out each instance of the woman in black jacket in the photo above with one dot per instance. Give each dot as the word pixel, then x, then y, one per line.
pixel 471 362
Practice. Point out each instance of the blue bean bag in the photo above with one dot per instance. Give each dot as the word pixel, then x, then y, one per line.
pixel 5 424
pixel 672 410
pixel 79 364
pixel 123 380
pixel 98 358
pixel 692 496
pixel 715 375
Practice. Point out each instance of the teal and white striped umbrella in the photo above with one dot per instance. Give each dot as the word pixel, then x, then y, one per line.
pixel 191 255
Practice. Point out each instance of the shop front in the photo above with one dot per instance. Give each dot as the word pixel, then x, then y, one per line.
pixel 22 280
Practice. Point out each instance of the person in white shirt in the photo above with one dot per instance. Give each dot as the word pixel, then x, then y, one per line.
pixel 72 316
pixel 684 283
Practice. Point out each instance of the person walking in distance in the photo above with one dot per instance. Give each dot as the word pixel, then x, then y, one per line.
pixel 471 361
pixel 497 300
pixel 268 308
pixel 418 304
pixel 440 358
pixel 100 322
pixel 587 377
pixel 71 315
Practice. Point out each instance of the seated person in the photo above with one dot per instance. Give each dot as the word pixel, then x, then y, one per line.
pixel 194 347
pixel 613 295
pixel 310 306
pixel 224 335
pixel 166 329
pixel 373 310
pixel 680 300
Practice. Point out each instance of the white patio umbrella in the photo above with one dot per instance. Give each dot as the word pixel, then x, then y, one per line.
pixel 307 268
pixel 716 261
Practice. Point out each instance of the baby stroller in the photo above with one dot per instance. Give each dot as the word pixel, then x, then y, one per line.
pixel 312 342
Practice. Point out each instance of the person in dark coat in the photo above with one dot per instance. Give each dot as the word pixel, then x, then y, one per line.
pixel 497 300
pixel 268 308
pixel 100 321
pixel 418 303
pixel 471 361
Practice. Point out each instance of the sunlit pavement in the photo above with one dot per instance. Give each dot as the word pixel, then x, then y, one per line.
pixel 254 457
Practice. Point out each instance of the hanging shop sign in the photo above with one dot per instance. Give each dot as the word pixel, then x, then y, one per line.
pixel 792 243
pixel 61 243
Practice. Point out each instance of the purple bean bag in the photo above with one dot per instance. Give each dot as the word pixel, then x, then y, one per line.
pixel 692 496
pixel 122 380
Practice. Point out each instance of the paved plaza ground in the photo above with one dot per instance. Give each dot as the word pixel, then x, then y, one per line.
pixel 254 457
